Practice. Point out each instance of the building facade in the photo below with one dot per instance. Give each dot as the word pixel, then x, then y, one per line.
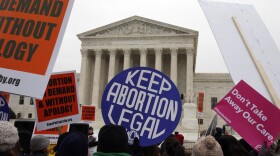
pixel 138 41
pixel 22 106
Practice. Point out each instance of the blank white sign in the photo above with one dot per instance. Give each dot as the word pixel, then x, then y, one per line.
pixel 233 49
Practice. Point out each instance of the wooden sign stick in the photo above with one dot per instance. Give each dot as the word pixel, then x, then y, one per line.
pixel 259 66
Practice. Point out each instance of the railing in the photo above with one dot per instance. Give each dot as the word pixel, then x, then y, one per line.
pixel 188 145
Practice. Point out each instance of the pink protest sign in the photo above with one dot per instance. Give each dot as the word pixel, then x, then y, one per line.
pixel 252 116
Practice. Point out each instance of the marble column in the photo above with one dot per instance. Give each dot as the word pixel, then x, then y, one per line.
pixel 189 88
pixel 117 69
pixel 112 64
pixel 174 65
pixel 85 77
pixel 158 61
pixel 189 120
pixel 126 59
pixel 131 60
pixel 96 78
pixel 143 57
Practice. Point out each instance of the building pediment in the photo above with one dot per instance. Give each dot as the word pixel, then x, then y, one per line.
pixel 136 25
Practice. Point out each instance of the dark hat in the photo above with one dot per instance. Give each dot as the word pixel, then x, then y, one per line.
pixel 112 139
pixel 59 141
pixel 74 144
pixel 218 133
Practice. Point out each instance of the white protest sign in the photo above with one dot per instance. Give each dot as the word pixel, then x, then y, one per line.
pixel 30 36
pixel 60 105
pixel 52 134
pixel 241 36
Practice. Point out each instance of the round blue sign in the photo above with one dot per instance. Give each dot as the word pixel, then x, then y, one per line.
pixel 4 110
pixel 144 101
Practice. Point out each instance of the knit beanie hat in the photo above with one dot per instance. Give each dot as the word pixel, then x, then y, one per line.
pixel 207 146
pixel 39 142
pixel 112 139
pixel 74 144
pixel 8 136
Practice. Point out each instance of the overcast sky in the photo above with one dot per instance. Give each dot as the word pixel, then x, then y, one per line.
pixel 90 14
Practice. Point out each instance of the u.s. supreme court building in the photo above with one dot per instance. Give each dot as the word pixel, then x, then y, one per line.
pixel 138 41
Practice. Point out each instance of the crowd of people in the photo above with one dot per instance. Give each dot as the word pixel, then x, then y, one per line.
pixel 113 141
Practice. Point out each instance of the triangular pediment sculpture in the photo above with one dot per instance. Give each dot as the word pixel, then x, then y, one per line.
pixel 136 25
